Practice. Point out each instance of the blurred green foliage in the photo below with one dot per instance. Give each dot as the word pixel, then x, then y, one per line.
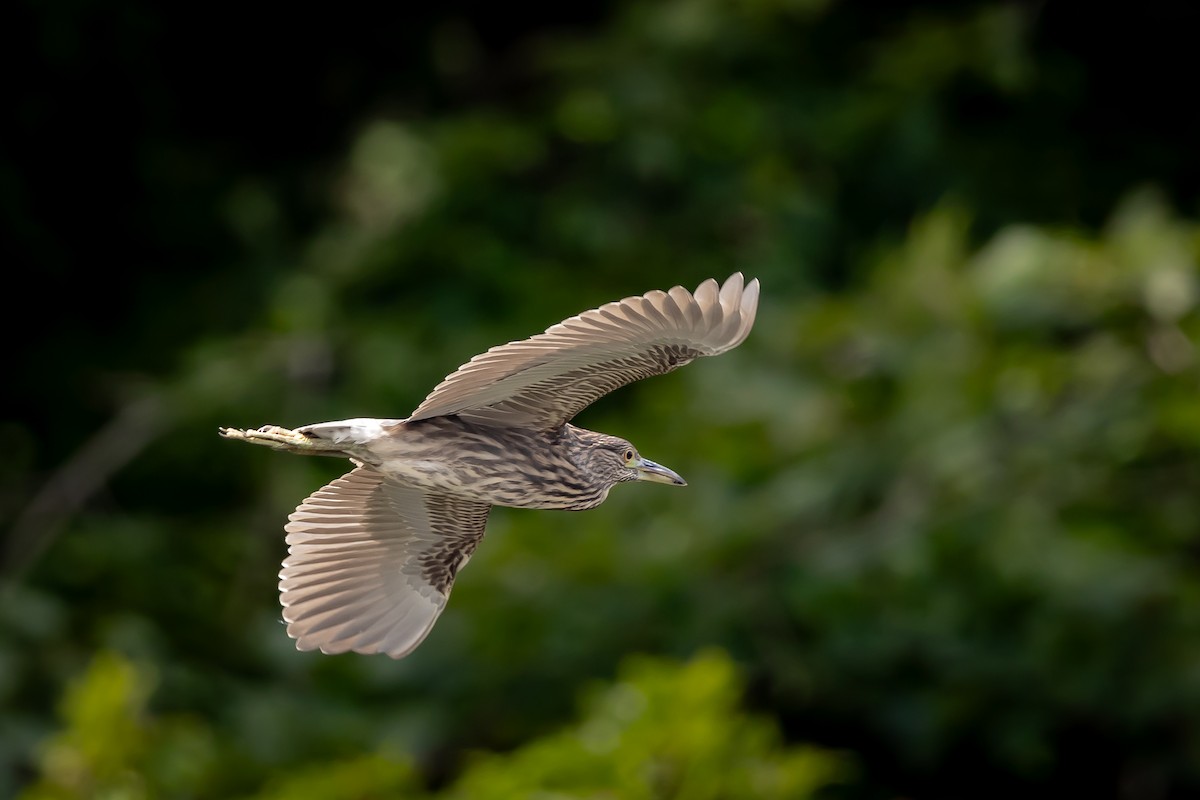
pixel 943 501
pixel 662 730
pixel 110 747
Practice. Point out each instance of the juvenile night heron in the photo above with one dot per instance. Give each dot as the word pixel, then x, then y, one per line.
pixel 373 555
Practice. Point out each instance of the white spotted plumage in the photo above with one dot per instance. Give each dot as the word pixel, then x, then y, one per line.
pixel 373 555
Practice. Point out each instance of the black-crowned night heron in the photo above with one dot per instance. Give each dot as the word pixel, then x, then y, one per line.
pixel 373 555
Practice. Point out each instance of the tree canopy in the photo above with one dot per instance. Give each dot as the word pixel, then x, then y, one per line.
pixel 940 537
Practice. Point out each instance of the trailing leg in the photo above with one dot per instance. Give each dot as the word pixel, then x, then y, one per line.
pixel 290 441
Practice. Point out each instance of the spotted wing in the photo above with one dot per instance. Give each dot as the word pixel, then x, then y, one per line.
pixel 371 562
pixel 547 379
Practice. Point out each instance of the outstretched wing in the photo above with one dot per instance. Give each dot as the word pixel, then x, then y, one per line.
pixel 547 379
pixel 371 562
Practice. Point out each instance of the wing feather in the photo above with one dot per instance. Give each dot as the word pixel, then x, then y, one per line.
pixel 371 563
pixel 547 379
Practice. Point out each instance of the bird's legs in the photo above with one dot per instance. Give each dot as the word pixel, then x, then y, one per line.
pixel 278 438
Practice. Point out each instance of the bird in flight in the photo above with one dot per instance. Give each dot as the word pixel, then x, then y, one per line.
pixel 373 555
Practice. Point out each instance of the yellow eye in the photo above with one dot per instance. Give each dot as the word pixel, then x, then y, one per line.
pixel 628 455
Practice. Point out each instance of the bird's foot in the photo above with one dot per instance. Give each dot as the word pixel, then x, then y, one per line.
pixel 276 438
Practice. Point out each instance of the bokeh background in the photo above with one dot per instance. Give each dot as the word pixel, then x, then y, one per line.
pixel 941 536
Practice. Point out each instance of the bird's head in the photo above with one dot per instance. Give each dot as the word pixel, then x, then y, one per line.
pixel 615 460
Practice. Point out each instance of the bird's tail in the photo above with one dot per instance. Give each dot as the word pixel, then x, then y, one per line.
pixel 290 441
pixel 341 438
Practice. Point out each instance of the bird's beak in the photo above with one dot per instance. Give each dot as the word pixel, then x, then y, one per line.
pixel 647 470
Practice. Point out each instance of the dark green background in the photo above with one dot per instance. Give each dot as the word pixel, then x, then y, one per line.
pixel 942 512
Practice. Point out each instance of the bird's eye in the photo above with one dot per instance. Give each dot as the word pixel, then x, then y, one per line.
pixel 629 455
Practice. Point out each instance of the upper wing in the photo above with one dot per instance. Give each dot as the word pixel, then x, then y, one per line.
pixel 371 562
pixel 547 379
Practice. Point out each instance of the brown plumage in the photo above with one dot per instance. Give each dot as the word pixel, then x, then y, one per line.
pixel 373 555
